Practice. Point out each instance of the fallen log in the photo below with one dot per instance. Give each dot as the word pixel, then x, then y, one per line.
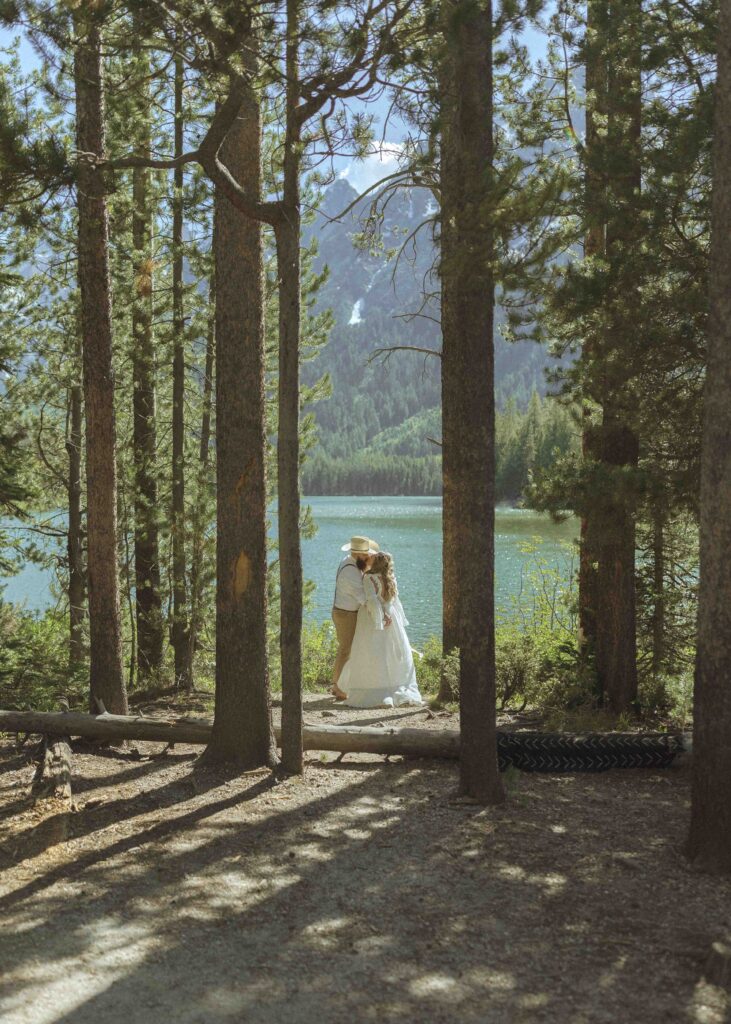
pixel 106 726
pixel 343 738
pixel 542 752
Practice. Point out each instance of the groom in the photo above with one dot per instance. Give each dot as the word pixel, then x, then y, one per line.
pixel 349 596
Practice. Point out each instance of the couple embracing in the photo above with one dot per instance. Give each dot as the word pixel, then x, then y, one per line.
pixel 374 666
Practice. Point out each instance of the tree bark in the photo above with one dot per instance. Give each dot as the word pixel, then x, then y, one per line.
pixel 199 515
pixel 242 730
pixel 347 739
pixel 105 669
pixel 148 602
pixel 710 825
pixel 594 246
pixel 53 774
pixel 658 597
pixel 616 642
pixel 288 487
pixel 75 543
pixel 618 444
pixel 450 523
pixel 180 625
pixel 529 751
pixel 468 397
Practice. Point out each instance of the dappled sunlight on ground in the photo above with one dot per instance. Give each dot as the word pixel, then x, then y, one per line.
pixel 365 892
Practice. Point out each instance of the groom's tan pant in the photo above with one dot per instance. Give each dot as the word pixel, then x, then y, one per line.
pixel 345 631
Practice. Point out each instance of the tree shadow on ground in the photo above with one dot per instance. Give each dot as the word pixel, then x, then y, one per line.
pixel 368 894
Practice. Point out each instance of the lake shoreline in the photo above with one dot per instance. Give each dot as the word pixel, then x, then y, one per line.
pixel 411 529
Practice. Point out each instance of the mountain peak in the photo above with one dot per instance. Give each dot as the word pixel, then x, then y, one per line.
pixel 337 196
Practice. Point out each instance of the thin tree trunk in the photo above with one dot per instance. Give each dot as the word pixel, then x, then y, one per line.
pixel 199 522
pixel 468 397
pixel 618 447
pixel 146 543
pixel 594 245
pixel 75 544
pixel 242 728
pixel 290 553
pixel 105 667
pixel 710 825
pixel 128 590
pixel 180 630
pixel 450 513
pixel 658 579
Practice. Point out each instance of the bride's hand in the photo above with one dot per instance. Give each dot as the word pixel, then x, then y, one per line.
pixel 386 619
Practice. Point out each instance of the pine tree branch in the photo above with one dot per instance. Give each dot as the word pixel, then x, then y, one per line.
pixel 207 156
pixel 387 351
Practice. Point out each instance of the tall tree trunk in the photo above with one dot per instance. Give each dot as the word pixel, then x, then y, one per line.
pixel 147 558
pixel 710 824
pixel 594 245
pixel 290 553
pixel 450 514
pixel 242 728
pixel 180 630
pixel 468 395
pixel 199 514
pixel 618 447
pixel 105 668
pixel 75 543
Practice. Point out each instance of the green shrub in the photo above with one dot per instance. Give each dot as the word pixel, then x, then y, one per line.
pixel 34 672
pixel 517 663
pixel 432 664
pixel 319 648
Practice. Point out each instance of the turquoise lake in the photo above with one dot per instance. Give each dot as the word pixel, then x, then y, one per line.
pixel 410 528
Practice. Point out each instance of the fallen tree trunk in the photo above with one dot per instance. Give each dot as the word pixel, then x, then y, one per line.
pixel 342 738
pixel 106 726
pixel 534 751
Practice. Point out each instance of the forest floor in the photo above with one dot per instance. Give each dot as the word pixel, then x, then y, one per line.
pixel 365 891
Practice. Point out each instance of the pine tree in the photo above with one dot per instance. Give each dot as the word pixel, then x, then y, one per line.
pixel 242 729
pixel 148 599
pixel 106 676
pixel 180 627
pixel 287 232
pixel 710 826
pixel 468 390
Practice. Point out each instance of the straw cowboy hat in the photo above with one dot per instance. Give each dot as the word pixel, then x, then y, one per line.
pixel 361 546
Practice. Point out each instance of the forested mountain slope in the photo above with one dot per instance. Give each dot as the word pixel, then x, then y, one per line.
pixel 384 411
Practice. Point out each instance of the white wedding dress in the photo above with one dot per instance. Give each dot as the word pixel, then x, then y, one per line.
pixel 380 670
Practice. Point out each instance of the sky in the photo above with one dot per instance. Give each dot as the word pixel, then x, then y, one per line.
pixel 361 174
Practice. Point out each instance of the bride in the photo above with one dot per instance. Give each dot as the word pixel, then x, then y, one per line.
pixel 380 670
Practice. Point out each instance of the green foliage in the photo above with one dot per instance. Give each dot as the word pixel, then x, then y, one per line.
pixel 401 459
pixel 34 670
pixel 319 648
pixel 372 474
pixel 374 419
pixel 433 665
pixel 517 664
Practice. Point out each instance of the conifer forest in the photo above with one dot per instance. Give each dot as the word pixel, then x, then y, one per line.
pixel 451 278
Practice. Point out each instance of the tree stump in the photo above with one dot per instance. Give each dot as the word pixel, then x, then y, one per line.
pixel 53 773
pixel 718 964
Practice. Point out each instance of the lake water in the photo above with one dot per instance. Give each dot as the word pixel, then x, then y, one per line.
pixel 410 528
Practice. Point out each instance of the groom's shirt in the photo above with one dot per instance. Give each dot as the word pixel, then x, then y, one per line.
pixel 349 592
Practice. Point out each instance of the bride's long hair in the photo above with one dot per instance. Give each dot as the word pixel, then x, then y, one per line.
pixel 382 567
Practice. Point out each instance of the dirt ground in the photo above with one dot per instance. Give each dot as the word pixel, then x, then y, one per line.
pixel 365 891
